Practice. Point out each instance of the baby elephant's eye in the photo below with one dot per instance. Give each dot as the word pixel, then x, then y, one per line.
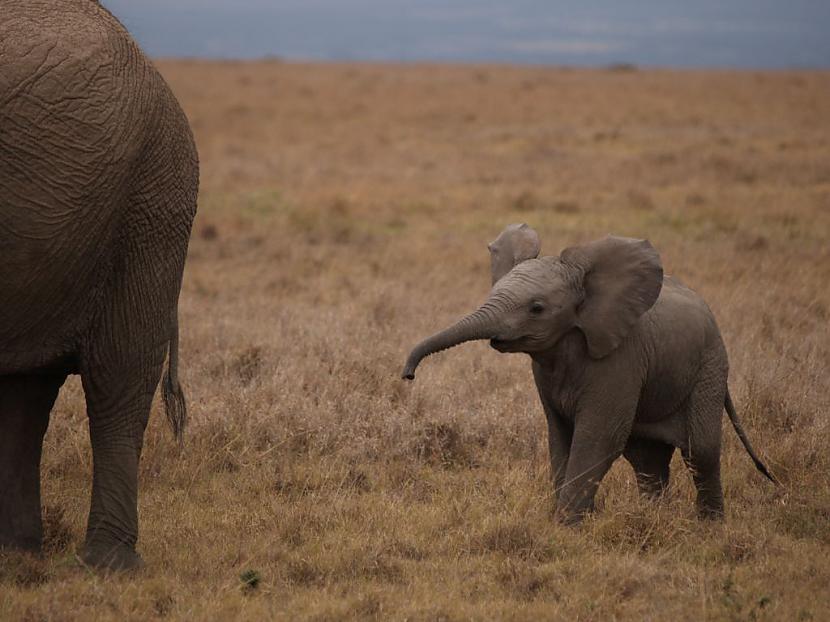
pixel 536 308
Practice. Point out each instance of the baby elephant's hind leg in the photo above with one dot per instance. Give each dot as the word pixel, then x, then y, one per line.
pixel 650 460
pixel 704 416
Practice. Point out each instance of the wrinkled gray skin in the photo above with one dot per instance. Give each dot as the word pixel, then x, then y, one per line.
pixel 627 361
pixel 98 185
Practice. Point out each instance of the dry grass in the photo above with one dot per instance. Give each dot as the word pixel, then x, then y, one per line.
pixel 344 215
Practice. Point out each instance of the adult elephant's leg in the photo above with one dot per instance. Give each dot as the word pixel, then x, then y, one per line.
pixel 650 460
pixel 118 396
pixel 120 369
pixel 25 403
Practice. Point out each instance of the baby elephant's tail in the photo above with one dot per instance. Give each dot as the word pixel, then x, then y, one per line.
pixel 171 390
pixel 733 417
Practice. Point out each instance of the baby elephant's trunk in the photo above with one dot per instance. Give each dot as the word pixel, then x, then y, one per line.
pixel 477 325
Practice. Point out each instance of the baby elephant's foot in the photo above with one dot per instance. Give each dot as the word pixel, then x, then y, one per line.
pixel 710 512
pixel 569 518
pixel 111 557
pixel 710 505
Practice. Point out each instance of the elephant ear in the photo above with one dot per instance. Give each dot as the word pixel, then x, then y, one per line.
pixel 517 243
pixel 622 280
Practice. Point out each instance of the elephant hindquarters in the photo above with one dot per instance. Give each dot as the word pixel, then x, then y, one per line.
pixel 74 120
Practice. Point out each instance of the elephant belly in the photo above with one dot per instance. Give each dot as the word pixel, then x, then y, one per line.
pixel 671 430
pixel 49 295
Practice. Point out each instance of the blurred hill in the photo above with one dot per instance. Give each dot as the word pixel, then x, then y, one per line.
pixel 740 33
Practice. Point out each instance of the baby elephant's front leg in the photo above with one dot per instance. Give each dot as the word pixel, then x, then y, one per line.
pixel 595 447
pixel 560 437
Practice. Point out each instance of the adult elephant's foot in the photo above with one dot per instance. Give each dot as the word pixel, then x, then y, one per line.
pixel 16 542
pixel 111 557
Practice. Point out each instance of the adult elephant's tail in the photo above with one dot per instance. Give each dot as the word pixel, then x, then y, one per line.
pixel 733 417
pixel 171 390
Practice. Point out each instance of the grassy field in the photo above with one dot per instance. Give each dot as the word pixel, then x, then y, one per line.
pixel 344 215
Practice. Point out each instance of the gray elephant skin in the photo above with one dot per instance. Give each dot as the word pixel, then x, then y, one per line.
pixel 626 361
pixel 98 186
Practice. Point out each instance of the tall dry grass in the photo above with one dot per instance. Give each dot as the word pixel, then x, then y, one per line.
pixel 344 215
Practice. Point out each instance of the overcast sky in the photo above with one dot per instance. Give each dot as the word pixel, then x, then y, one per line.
pixel 714 33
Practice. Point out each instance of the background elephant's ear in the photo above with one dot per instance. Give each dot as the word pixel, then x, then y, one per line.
pixel 517 243
pixel 622 280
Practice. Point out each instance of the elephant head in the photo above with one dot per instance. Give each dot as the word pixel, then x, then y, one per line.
pixel 601 288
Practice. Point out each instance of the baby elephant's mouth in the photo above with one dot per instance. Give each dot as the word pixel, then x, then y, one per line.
pixel 502 345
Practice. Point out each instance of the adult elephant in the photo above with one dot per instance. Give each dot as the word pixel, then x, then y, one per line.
pixel 626 361
pixel 98 185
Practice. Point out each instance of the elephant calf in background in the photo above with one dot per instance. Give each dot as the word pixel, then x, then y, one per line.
pixel 627 361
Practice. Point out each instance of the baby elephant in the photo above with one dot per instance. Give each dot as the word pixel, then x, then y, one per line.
pixel 626 361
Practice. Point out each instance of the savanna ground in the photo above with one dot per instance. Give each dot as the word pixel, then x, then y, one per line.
pixel 344 215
